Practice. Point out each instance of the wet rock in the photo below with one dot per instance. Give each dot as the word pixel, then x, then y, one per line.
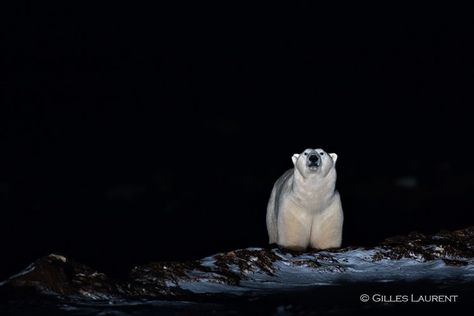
pixel 54 274
pixel 445 255
pixel 449 246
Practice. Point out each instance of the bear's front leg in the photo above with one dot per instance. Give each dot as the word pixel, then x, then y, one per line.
pixel 294 229
pixel 326 231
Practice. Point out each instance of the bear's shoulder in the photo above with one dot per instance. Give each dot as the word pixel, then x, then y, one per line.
pixel 284 177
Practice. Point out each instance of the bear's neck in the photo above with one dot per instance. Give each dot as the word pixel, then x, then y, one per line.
pixel 314 188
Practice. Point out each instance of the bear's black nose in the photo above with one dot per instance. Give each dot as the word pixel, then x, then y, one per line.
pixel 313 158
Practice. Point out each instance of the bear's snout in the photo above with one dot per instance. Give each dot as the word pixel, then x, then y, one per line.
pixel 314 160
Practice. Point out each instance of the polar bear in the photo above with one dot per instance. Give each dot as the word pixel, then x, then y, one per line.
pixel 305 209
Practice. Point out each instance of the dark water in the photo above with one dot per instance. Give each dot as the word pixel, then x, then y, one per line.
pixel 330 300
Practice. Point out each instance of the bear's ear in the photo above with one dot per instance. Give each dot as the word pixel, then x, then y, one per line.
pixel 334 157
pixel 294 158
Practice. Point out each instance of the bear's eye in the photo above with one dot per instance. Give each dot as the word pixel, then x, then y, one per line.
pixel 322 154
pixel 305 154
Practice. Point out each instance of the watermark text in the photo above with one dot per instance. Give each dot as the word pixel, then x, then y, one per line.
pixel 409 298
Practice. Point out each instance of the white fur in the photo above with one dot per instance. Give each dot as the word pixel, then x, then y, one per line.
pixel 304 209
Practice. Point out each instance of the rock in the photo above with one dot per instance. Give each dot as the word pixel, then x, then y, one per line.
pixel 56 275
pixel 440 257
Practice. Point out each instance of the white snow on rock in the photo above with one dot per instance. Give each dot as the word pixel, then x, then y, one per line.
pixel 324 268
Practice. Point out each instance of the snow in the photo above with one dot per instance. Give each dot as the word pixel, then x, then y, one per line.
pixel 332 269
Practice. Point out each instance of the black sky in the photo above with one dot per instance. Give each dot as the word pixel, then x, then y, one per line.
pixel 136 133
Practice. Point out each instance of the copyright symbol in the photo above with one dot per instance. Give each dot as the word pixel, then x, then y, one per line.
pixel 364 298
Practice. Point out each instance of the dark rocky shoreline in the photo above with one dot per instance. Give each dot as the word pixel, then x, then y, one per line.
pixel 445 258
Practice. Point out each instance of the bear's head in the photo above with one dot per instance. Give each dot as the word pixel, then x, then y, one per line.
pixel 314 162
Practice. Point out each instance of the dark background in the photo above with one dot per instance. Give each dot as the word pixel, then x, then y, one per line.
pixel 134 133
